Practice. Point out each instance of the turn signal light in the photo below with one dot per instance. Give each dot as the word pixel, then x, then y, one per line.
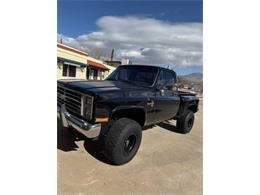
pixel 101 120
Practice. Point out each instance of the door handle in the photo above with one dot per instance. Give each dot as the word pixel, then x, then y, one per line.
pixel 150 102
pixel 162 92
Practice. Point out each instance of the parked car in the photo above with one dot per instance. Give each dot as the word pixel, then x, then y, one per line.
pixel 116 110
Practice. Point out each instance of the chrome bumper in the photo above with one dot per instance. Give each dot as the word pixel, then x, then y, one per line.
pixel 84 127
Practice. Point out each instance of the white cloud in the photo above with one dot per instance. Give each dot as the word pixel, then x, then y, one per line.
pixel 144 41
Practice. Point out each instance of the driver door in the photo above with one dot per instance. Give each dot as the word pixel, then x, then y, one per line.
pixel 166 98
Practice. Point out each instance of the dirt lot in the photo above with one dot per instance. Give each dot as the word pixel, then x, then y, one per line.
pixel 166 163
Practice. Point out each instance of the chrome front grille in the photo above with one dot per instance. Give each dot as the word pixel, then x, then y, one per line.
pixel 75 102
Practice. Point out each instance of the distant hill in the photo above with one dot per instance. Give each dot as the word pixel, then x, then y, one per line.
pixel 192 81
pixel 193 77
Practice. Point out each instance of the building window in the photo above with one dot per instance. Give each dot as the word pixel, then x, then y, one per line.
pixel 95 74
pixel 69 71
pixel 88 73
pixel 72 71
pixel 65 70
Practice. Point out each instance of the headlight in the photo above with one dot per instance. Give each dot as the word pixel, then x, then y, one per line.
pixel 89 101
pixel 89 106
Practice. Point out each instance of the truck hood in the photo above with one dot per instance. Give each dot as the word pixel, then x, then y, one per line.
pixel 99 86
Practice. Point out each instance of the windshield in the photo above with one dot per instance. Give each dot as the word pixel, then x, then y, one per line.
pixel 139 75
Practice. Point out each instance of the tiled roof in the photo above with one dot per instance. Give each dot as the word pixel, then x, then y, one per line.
pixel 96 64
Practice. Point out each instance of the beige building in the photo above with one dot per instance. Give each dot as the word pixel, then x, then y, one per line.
pixel 116 63
pixel 76 64
pixel 111 69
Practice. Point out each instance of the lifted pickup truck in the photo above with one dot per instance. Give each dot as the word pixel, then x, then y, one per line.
pixel 116 109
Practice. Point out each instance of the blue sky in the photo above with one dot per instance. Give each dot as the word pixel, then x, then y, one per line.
pixel 79 18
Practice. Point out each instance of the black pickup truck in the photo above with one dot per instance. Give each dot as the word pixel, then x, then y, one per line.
pixel 116 109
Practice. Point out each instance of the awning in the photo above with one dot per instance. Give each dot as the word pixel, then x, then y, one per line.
pixel 96 65
pixel 70 62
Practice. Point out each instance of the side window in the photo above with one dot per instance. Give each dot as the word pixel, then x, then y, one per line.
pixel 166 79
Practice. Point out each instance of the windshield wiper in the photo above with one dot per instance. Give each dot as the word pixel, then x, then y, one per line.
pixel 122 80
pixel 129 81
pixel 111 79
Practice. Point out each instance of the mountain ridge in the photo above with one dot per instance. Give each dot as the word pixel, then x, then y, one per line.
pixel 193 77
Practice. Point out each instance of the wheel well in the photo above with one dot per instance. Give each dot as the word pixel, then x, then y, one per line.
pixel 136 114
pixel 193 108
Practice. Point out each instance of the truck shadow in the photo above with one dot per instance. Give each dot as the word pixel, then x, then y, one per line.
pixel 95 149
pixel 67 139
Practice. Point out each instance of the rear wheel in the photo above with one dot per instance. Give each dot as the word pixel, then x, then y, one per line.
pixel 122 141
pixel 185 122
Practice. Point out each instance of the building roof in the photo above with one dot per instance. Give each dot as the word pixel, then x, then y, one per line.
pixel 89 60
pixel 96 64
pixel 62 46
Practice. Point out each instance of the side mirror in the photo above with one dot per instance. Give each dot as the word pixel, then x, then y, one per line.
pixel 160 88
pixel 175 87
pixel 169 86
pixel 172 86
pixel 162 92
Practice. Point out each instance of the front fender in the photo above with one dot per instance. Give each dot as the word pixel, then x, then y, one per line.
pixel 136 113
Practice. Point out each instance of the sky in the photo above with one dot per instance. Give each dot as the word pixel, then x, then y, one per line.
pixel 167 33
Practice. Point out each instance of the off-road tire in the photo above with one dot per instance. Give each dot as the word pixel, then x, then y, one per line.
pixel 185 122
pixel 122 141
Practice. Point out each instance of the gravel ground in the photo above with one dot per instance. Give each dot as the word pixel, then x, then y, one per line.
pixel 166 163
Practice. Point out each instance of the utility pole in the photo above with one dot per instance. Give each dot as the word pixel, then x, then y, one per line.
pixel 112 55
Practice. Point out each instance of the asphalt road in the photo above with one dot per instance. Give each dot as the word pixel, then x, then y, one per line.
pixel 166 163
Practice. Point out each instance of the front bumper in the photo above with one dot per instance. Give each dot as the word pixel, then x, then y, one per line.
pixel 82 126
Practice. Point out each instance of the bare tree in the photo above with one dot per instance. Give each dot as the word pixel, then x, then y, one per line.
pixel 98 52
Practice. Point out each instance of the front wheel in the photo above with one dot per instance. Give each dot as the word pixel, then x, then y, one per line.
pixel 185 122
pixel 122 141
